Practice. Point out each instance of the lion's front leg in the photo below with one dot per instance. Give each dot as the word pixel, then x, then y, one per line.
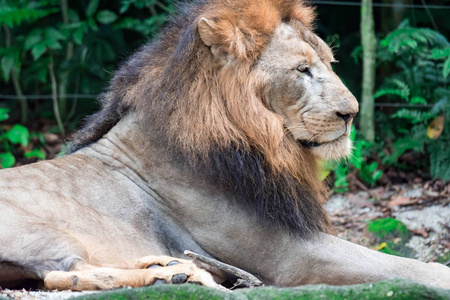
pixel 148 270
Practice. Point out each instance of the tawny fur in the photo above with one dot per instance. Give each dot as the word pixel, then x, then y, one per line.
pixel 178 87
pixel 200 104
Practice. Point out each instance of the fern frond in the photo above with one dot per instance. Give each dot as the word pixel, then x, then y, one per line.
pixel 414 116
pixel 437 53
pixel 392 92
pixel 402 90
pixel 418 100
pixel 411 37
pixel 12 16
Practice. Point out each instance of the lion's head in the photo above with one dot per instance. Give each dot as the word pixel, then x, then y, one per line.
pixel 244 90
pixel 296 81
pixel 317 108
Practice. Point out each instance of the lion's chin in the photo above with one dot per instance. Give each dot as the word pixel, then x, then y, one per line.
pixel 333 150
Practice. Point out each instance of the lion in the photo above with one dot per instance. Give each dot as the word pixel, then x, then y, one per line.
pixel 208 140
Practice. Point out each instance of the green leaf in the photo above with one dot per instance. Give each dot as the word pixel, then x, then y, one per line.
pixel 18 134
pixel 106 17
pixel 78 35
pixel 372 167
pixel 446 67
pixel 124 7
pixel 54 45
pixel 4 113
pixel 92 7
pixel 377 175
pixel 12 15
pixel 7 65
pixel 53 34
pixel 38 50
pixel 39 154
pixel 92 24
pixel 33 38
pixel 440 53
pixel 7 160
pixel 418 100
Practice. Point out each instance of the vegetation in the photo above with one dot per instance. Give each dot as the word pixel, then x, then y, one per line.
pixel 388 289
pixel 392 235
pixel 420 58
pixel 53 48
pixel 12 137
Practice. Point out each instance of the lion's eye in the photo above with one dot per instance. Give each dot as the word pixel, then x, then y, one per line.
pixel 304 69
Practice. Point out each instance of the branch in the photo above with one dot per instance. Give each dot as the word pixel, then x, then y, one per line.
pixel 15 78
pixel 55 97
pixel 430 15
pixel 64 76
pixel 247 279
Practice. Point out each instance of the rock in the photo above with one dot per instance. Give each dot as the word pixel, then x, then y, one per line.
pixel 392 289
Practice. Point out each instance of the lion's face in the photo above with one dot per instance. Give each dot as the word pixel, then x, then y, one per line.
pixel 316 106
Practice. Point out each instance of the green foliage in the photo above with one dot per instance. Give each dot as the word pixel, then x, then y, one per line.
pixel 368 172
pixel 18 134
pixel 392 234
pixel 410 38
pixel 383 228
pixel 440 153
pixel 80 42
pixel 340 178
pixel 13 13
pixel 12 138
pixel 421 57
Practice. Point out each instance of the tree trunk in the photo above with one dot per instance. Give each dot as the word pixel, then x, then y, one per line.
pixel 368 42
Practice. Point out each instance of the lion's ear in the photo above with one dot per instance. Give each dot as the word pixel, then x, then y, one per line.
pixel 207 32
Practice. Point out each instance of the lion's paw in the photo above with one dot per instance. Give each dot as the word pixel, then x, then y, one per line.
pixel 175 272
pixel 149 270
pixel 154 261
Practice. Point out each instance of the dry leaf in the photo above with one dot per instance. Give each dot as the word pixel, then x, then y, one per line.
pixel 360 200
pixel 382 246
pixel 421 232
pixel 435 128
pixel 401 201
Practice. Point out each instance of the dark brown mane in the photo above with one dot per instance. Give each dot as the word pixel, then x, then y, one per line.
pixel 214 116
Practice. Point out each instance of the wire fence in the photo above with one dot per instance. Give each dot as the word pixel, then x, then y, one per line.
pixel 43 97
pixel 320 2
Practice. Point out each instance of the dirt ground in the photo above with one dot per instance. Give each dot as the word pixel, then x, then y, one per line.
pixel 424 211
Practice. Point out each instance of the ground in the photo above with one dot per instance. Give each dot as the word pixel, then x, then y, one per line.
pixel 423 208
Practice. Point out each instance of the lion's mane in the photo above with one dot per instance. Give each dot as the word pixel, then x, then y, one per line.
pixel 214 117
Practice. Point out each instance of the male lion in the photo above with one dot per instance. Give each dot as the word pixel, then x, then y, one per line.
pixel 207 141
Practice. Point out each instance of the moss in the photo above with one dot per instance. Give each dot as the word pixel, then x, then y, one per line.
pixel 393 235
pixel 388 227
pixel 391 289
pixel 444 258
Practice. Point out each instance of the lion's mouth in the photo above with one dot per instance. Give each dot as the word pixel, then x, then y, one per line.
pixel 312 144
pixel 309 144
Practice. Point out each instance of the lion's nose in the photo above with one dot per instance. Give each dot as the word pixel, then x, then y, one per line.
pixel 346 117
